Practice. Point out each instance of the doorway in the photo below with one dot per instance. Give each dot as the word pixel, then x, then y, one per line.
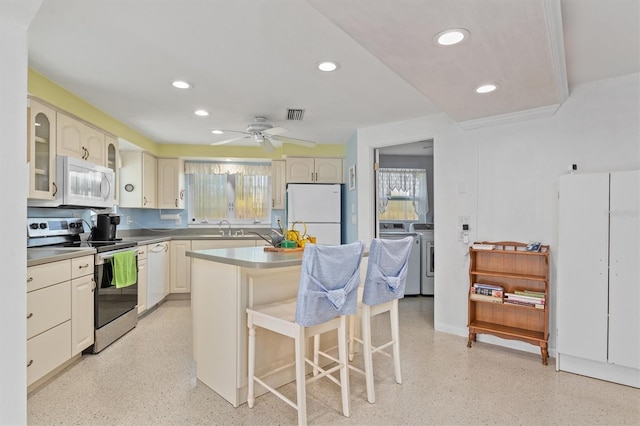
pixel 404 199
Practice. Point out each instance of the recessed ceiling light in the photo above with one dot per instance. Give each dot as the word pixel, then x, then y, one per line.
pixel 451 37
pixel 201 112
pixel 217 132
pixel 486 88
pixel 180 84
pixel 327 66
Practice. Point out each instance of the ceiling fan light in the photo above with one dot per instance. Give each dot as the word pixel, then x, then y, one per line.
pixel 486 88
pixel 451 37
pixel 217 132
pixel 258 138
pixel 201 113
pixel 179 84
pixel 327 66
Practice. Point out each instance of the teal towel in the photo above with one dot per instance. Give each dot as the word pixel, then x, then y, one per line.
pixel 124 269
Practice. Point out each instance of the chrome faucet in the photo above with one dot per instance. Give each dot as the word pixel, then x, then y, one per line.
pixel 228 224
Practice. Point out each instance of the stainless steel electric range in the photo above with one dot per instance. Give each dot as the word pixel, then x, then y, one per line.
pixel 115 309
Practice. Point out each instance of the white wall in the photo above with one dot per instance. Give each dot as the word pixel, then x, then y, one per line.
pixel 505 179
pixel 15 16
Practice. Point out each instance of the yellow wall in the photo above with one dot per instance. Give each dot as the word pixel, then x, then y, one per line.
pixel 43 88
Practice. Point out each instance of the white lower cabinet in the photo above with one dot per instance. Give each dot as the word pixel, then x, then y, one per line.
pixel 598 275
pixel 82 304
pixel 142 279
pixel 180 267
pixel 48 318
pixel 47 351
pixel 82 308
pixel 181 264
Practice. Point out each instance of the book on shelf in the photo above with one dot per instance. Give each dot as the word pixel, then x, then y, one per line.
pixel 487 291
pixel 525 299
pixel 531 293
pixel 489 286
pixel 478 246
pixel 485 298
pixel 520 303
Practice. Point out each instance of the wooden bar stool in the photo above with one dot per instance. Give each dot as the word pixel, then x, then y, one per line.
pixel 384 284
pixel 327 292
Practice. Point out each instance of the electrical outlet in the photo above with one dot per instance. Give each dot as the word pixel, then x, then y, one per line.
pixel 129 221
pixel 278 218
pixel 179 221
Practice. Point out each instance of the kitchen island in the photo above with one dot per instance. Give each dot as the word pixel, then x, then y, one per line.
pixel 224 283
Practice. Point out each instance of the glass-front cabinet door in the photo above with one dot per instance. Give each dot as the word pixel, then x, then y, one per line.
pixel 113 161
pixel 41 158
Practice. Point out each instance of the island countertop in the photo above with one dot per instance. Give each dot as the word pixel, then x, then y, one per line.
pixel 249 257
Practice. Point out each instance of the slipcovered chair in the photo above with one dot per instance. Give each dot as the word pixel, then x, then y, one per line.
pixel 384 284
pixel 327 293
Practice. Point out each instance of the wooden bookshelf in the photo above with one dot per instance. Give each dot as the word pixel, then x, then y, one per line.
pixel 510 266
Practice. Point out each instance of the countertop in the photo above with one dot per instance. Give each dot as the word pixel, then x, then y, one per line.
pixel 41 255
pixel 249 257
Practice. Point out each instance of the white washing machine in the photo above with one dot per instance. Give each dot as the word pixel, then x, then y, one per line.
pixel 427 256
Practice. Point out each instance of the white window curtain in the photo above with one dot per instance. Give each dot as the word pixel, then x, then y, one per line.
pixel 407 184
pixel 223 190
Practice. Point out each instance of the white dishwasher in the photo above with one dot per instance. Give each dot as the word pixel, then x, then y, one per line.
pixel 157 258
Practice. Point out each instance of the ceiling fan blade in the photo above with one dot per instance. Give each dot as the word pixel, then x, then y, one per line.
pixel 267 145
pixel 275 131
pixel 226 141
pixel 295 141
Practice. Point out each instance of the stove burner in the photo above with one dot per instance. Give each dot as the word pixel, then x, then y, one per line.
pixel 92 244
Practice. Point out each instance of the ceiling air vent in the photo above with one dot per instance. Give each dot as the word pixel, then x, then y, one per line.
pixel 295 114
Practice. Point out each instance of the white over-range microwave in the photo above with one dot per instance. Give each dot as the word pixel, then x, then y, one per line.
pixel 80 184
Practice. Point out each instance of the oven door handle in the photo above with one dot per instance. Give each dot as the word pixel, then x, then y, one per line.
pixel 100 258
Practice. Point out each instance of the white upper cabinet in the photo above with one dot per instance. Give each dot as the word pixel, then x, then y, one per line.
pixel 42 151
pixel 278 184
pixel 171 189
pixel 112 157
pixel 138 179
pixel 76 139
pixel 314 170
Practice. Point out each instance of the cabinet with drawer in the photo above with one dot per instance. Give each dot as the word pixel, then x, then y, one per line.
pixel 48 318
pixel 82 304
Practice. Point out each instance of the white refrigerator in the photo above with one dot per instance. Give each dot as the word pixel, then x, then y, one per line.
pixel 319 207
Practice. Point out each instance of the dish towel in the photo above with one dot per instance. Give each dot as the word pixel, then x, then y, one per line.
pixel 125 271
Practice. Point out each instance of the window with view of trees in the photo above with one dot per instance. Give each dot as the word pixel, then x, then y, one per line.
pixel 402 194
pixel 235 191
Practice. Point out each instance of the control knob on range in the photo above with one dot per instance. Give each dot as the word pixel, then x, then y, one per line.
pixel 43 225
pixel 33 226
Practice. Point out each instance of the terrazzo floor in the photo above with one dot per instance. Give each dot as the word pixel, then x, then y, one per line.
pixel 147 378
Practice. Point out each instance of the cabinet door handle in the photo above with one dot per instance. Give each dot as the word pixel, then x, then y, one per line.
pixel 55 188
pixel 176 202
pixel 30 315
pixel 94 284
pixel 86 265
pixel 29 279
pixel 144 201
pixel 29 363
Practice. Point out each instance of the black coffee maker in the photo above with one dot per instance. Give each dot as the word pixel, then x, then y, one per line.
pixel 105 229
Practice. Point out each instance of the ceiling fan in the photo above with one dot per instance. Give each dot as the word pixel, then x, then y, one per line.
pixel 265 135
